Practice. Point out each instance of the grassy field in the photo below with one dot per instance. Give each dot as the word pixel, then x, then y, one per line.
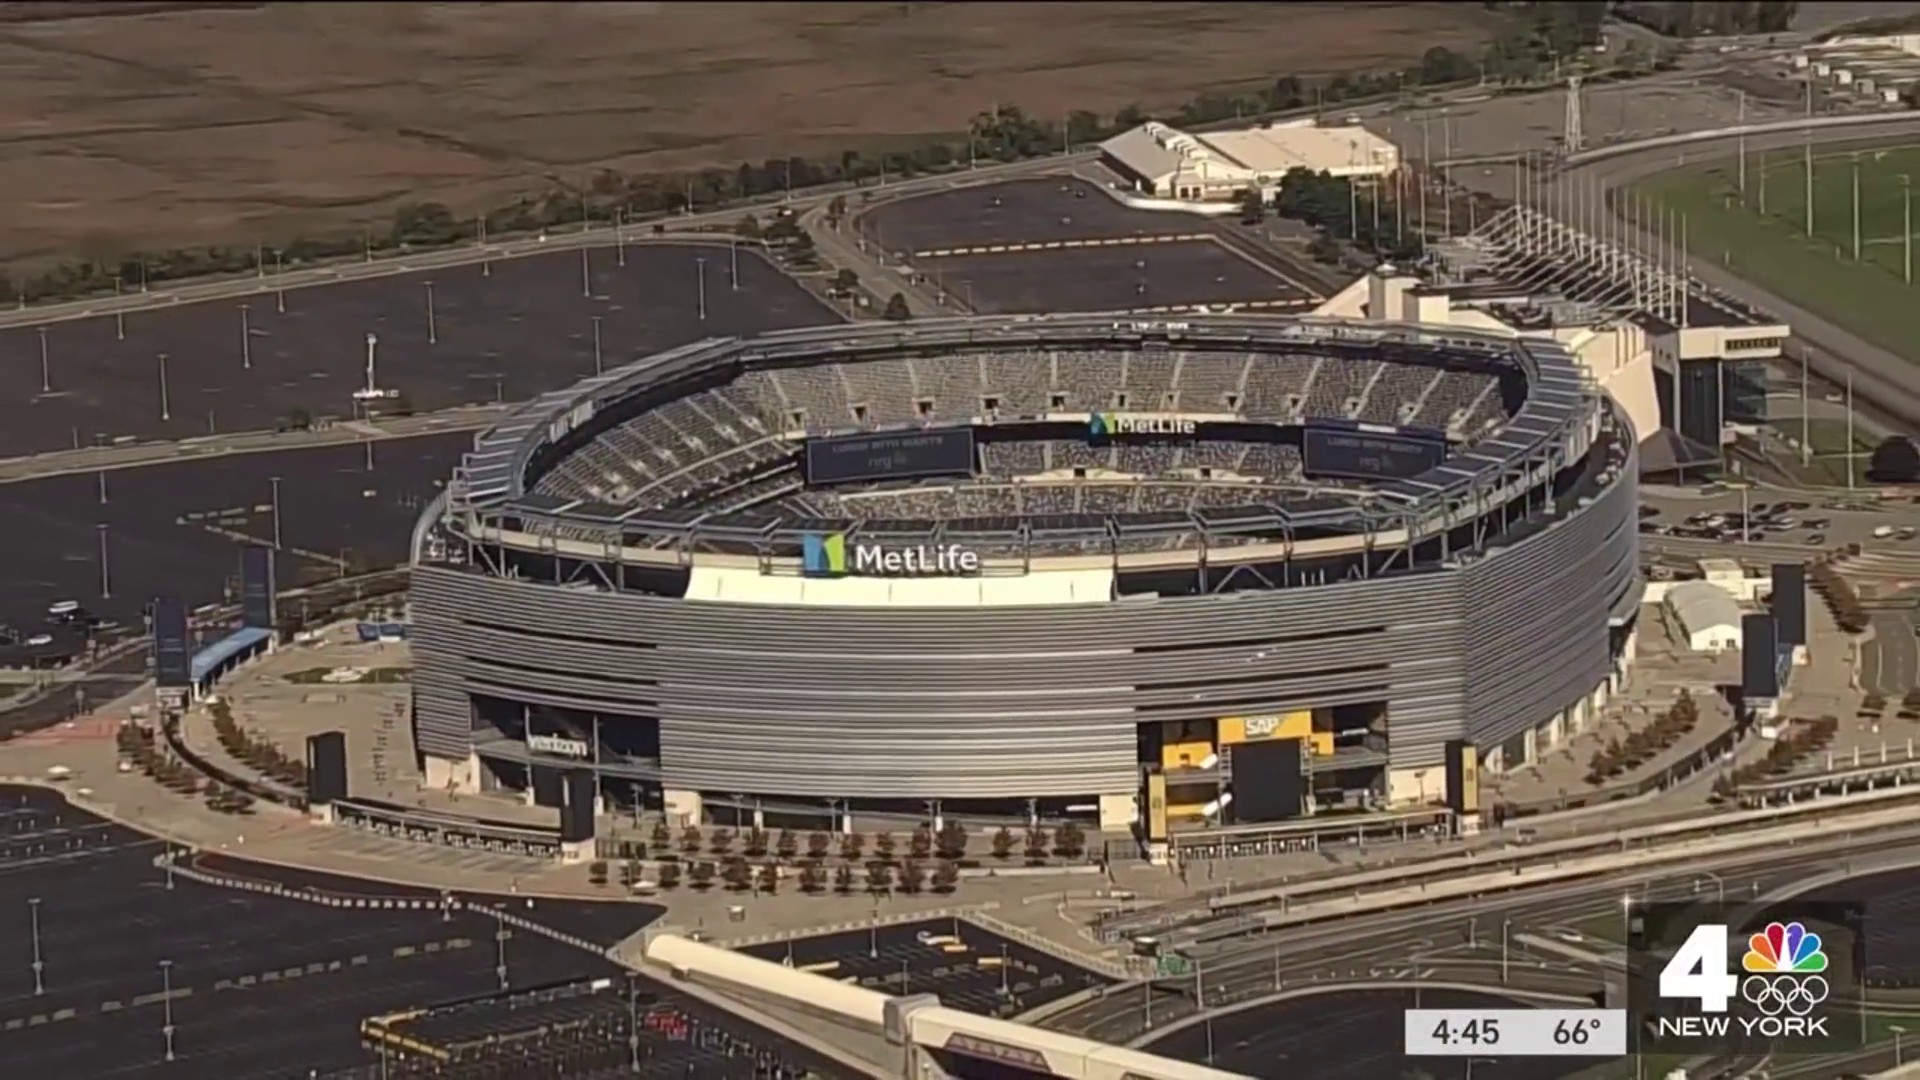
pixel 242 125
pixel 1773 249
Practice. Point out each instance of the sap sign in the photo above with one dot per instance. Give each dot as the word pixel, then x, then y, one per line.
pixel 830 555
pixel 1108 425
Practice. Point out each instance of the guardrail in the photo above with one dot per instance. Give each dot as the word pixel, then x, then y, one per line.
pixel 1511 859
pixel 1771 127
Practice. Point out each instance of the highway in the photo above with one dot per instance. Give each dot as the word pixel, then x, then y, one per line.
pixel 1883 378
pixel 1461 941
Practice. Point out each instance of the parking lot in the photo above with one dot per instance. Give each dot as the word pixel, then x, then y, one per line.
pixel 1130 277
pixel 525 327
pixel 1347 1035
pixel 178 527
pixel 970 968
pixel 1018 211
pixel 260 985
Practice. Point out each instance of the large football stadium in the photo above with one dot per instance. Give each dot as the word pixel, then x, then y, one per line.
pixel 1014 566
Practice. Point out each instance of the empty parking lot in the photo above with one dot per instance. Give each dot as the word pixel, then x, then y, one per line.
pixel 968 967
pixel 1127 277
pixel 1018 211
pixel 177 527
pixel 245 365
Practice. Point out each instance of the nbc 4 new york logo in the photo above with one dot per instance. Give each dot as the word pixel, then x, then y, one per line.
pixel 1780 989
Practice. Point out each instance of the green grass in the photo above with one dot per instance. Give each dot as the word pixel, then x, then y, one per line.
pixel 1772 249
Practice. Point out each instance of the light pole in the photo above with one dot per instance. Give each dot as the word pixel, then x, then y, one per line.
pixel 1856 208
pixel 700 271
pixel 586 273
pixel 1720 886
pixel 246 340
pixel 433 329
pixel 166 411
pixel 46 371
pixel 39 966
pixel 1506 925
pixel 500 948
pixel 106 572
pixel 596 345
pixel 119 313
pixel 166 1002
pixel 1897 1032
pixel 279 288
pixel 733 262
pixel 1850 469
pixel 1906 228
pixel 274 482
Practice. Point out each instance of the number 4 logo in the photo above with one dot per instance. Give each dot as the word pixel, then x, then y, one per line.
pixel 1699 970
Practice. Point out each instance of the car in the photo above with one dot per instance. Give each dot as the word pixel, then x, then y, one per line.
pixel 1783 523
pixel 1815 540
pixel 1819 523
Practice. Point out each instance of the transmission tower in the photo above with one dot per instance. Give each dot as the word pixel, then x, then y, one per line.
pixel 1573 139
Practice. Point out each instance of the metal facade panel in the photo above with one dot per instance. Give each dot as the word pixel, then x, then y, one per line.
pixel 1537 615
pixel 959 703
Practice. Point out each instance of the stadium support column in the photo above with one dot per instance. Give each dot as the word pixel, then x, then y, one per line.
pixel 684 807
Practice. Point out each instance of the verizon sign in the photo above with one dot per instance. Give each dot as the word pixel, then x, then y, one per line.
pixel 559 746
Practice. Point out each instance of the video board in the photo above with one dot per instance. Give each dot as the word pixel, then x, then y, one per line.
pixel 889 455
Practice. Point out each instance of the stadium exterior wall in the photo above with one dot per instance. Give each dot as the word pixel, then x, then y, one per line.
pixel 993 703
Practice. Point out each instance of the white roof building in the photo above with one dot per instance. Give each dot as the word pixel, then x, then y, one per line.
pixel 1216 165
pixel 1708 615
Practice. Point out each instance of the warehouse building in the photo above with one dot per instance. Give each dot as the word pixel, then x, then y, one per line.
pixel 1216 166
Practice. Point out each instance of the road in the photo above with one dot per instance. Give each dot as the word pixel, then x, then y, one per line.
pixel 1466 941
pixel 1881 377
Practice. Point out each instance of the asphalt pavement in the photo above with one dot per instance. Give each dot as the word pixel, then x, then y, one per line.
pixel 459 335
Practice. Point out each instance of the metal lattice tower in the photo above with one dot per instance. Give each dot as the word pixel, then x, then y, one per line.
pixel 1573 139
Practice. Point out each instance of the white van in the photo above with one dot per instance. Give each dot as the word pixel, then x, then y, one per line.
pixel 1882 532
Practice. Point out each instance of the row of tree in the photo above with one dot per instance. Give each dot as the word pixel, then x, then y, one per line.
pixel 947 844
pixel 1801 739
pixel 1004 133
pixel 738 875
pixel 255 751
pixel 1838 591
pixel 1619 757
pixel 140 748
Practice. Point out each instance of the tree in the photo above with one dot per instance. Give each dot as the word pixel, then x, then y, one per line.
pixel 1037 845
pixel 788 845
pixel 738 875
pixel 920 844
pixel 1070 841
pixel 1895 461
pixel 700 875
pixel 721 840
pixel 851 845
pixel 879 878
pixel 597 873
pixel 843 879
pixel 757 843
pixel 837 208
pixel 1442 65
pixel 952 841
pixel 818 844
pixel 883 846
pixel 748 228
pixel 946 876
pixel 1253 208
pixel 812 878
pixel 669 875
pixel 896 309
pixel 770 879
pixel 690 840
pixel 913 876
pixel 1003 843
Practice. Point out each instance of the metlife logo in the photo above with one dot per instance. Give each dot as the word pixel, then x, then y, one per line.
pixel 1780 978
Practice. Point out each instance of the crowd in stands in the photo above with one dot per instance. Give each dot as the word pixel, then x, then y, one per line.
pixel 733 447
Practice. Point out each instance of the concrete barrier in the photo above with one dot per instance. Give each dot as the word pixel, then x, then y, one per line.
pixel 1592 866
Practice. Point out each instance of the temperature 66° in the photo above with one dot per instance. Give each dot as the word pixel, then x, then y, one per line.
pixel 1574 1032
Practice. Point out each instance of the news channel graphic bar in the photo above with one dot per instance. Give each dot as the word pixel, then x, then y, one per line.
pixel 1781 977
pixel 1487 1033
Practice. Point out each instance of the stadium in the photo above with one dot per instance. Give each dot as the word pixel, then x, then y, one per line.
pixel 1033 566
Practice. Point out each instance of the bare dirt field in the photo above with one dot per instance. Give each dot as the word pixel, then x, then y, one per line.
pixel 243 125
